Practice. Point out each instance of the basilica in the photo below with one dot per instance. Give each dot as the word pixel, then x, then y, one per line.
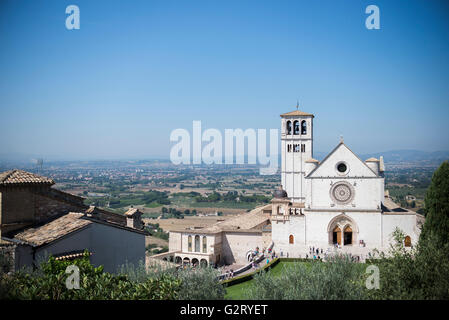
pixel 339 203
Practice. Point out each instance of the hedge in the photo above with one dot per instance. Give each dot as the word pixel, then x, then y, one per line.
pixel 299 260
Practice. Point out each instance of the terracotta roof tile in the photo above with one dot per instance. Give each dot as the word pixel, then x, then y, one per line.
pixel 71 255
pixel 132 211
pixel 296 113
pixel 53 230
pixel 15 177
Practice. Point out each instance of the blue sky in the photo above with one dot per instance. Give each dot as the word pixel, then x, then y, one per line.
pixel 136 70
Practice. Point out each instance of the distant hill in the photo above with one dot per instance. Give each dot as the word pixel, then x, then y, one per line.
pixel 409 155
pixel 400 155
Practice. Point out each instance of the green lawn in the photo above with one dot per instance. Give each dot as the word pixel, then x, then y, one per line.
pixel 236 292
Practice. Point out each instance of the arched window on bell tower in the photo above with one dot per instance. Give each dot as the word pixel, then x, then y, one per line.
pixel 289 127
pixel 303 127
pixel 296 127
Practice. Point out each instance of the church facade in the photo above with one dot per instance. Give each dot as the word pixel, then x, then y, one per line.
pixel 338 202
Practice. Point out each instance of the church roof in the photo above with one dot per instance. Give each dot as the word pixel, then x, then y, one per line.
pixel 328 156
pixel 53 230
pixel 20 177
pixel 296 113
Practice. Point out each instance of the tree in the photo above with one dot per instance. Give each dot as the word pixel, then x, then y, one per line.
pixel 437 207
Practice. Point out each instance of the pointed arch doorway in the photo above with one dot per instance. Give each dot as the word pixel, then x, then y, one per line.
pixel 347 235
pixel 342 230
pixel 336 235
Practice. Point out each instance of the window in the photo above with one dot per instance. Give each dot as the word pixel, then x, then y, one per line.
pixel 341 167
pixel 197 243
pixel 289 127
pixel 408 241
pixel 303 148
pixel 296 127
pixel 204 244
pixel 296 148
pixel 291 239
pixel 304 127
pixel 189 246
pixel 289 148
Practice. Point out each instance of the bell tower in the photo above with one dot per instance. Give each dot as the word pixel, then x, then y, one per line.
pixel 296 149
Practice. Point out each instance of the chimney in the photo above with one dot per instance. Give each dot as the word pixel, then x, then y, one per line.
pixel 133 218
pixel 91 211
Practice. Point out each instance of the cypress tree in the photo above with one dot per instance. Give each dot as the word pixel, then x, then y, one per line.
pixel 436 204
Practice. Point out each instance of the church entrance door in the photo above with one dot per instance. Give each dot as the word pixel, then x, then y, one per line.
pixel 347 236
pixel 336 237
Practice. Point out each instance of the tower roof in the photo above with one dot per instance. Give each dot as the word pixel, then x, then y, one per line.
pixel 297 113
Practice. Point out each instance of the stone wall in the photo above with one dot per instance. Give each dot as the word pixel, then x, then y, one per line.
pixel 17 208
pixel 51 202
pixel 236 245
pixel 7 257
pixel 23 206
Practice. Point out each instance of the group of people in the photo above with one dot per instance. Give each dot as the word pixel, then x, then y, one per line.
pixel 229 274
pixel 315 253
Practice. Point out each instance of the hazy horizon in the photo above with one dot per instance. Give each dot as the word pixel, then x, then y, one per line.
pixel 53 158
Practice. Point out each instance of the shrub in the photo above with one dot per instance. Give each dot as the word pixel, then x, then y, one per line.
pixel 419 273
pixel 338 279
pixel 200 284
pixel 48 282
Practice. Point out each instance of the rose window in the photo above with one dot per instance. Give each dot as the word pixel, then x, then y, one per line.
pixel 342 193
